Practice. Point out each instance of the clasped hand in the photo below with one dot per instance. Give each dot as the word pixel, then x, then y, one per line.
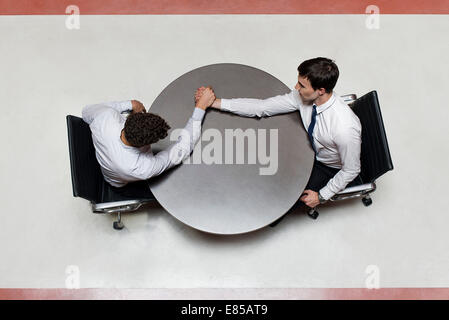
pixel 310 198
pixel 204 97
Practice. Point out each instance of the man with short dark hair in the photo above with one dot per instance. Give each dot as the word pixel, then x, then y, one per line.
pixel 333 128
pixel 123 145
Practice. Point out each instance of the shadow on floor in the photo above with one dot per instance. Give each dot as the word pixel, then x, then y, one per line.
pixel 299 215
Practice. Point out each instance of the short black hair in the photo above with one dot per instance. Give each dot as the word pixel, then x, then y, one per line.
pixel 142 129
pixel 321 72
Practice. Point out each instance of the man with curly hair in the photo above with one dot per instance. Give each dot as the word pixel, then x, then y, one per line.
pixel 123 145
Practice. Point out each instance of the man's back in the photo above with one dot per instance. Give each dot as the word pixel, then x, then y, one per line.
pixel 121 163
pixel 116 159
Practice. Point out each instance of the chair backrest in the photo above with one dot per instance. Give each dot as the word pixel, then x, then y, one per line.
pixel 87 178
pixel 375 155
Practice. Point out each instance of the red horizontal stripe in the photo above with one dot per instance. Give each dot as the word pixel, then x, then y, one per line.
pixel 167 294
pixel 44 7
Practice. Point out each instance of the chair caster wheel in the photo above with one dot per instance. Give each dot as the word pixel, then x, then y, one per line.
pixel 313 214
pixel 118 225
pixel 367 201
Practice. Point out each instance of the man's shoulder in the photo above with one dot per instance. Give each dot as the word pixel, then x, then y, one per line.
pixel 344 111
pixel 344 120
pixel 107 118
pixel 109 113
pixel 106 130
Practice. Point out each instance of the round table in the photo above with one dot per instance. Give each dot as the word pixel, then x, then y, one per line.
pixel 232 197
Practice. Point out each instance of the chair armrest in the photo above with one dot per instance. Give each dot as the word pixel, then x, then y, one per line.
pixel 368 187
pixel 354 192
pixel 349 98
pixel 117 206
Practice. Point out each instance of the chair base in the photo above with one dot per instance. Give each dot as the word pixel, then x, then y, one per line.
pixel 118 225
pixel 313 213
pixel 367 201
pixel 118 207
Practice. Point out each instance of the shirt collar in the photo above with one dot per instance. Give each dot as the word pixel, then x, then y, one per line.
pixel 326 105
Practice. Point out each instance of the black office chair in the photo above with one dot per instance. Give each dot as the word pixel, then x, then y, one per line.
pixel 375 155
pixel 88 181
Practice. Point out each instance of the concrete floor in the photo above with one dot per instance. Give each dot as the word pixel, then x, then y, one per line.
pixel 49 71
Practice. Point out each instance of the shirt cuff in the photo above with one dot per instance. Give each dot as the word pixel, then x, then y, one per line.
pixel 225 104
pixel 326 193
pixel 198 114
pixel 126 106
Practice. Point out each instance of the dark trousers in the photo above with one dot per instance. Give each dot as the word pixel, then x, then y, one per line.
pixel 134 190
pixel 320 176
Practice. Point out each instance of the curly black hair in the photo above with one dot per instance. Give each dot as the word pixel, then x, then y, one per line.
pixel 142 129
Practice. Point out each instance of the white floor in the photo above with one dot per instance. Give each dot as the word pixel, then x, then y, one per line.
pixel 48 71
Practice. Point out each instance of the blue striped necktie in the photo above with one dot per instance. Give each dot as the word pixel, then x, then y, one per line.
pixel 311 126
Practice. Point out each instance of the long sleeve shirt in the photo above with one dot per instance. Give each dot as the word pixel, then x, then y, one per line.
pixel 337 132
pixel 120 163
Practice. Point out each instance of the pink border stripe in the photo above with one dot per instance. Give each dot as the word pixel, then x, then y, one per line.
pixel 45 7
pixel 225 294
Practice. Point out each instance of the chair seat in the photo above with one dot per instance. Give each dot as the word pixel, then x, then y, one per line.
pixel 138 190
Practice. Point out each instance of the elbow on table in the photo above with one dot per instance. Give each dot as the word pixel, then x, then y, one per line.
pixel 260 113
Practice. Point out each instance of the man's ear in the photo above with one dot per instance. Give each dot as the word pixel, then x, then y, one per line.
pixel 321 91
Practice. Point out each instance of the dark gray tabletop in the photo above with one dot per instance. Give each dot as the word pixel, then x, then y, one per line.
pixel 231 198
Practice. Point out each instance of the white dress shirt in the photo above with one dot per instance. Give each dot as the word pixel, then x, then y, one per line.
pixel 337 132
pixel 120 163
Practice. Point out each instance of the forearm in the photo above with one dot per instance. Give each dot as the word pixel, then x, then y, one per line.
pixel 338 183
pixel 191 133
pixel 243 107
pixel 249 107
pixel 181 149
